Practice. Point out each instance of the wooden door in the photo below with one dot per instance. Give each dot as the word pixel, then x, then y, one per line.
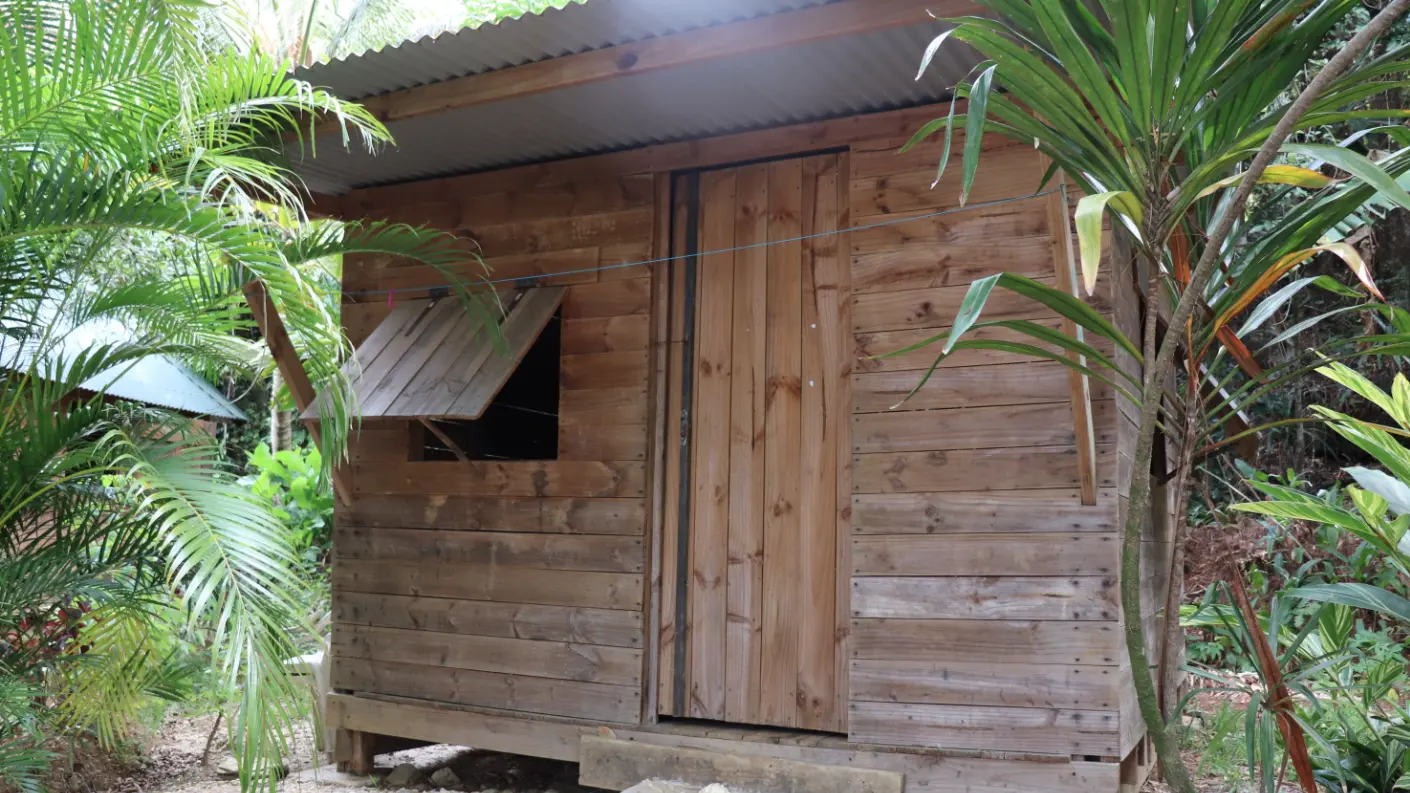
pixel 767 450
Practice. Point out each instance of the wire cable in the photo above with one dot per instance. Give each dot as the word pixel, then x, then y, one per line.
pixel 702 254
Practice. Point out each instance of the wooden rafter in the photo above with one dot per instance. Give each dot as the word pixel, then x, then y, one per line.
pixel 281 347
pixel 819 23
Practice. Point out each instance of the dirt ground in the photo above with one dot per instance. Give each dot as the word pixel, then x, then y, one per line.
pixel 172 764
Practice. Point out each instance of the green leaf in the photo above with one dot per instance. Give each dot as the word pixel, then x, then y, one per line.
pixel 930 53
pixel 970 308
pixel 1089 230
pixel 1361 596
pixel 1316 511
pixel 974 127
pixel 1355 164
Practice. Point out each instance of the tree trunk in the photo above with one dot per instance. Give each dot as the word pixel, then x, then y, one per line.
pixel 1159 366
pixel 281 425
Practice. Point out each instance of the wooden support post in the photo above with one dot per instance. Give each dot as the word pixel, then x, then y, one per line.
pixel 276 336
pixel 356 749
pixel 1060 230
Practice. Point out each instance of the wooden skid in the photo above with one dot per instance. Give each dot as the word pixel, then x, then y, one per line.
pixel 615 764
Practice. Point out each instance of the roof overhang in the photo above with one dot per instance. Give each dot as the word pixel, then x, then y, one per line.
pixel 609 75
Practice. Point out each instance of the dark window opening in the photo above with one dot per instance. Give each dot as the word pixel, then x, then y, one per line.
pixel 521 423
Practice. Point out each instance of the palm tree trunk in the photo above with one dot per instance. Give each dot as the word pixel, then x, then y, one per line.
pixel 281 425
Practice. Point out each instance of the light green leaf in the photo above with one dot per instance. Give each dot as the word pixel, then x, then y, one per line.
pixel 1089 229
pixel 1395 492
pixel 1277 174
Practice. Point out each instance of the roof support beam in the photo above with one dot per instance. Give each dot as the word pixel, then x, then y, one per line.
pixel 276 336
pixel 818 23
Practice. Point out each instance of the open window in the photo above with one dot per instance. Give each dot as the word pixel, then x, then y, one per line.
pixel 435 363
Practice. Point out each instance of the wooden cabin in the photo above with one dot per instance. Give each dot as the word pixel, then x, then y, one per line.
pixel 680 526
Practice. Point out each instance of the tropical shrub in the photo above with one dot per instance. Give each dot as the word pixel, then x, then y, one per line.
pixel 139 192
pixel 1166 113
pixel 296 483
pixel 1378 512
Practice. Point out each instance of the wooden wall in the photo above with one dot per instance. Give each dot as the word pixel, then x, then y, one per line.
pixel 516 585
pixel 984 593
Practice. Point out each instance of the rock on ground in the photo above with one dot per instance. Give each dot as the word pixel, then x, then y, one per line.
pixel 444 777
pixel 403 775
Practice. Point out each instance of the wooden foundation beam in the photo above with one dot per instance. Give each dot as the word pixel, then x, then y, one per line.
pixel 617 765
pixel 276 336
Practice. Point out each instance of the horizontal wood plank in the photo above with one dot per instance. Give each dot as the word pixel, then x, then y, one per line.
pixel 889 343
pixel 1019 511
pixel 442 723
pixel 608 299
pixel 991 427
pixel 588 197
pixel 926 267
pixel 985 554
pixel 603 553
pixel 603 370
pixel 972 469
pixel 883 155
pixel 980 224
pixel 967 387
pixel 936 307
pixel 605 334
pixel 487 618
pixel 1022 684
pixel 1010 172
pixel 413 280
pixel 473 513
pixel 625 405
pixel 556 233
pixel 559 660
pixel 983 641
pixel 570 698
pixel 537 479
pixel 490 582
pixel 986 597
pixel 1040 730
pixel 580 441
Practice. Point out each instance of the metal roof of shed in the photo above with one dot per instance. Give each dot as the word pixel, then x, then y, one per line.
pixel 157 379
pixel 825 79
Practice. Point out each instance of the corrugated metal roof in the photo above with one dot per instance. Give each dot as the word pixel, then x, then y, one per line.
pixel 578 27
pixel 153 380
pixel 825 79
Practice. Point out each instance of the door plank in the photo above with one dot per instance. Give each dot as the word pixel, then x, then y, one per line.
pixel 818 458
pixel 710 500
pixel 783 416
pixel 744 586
